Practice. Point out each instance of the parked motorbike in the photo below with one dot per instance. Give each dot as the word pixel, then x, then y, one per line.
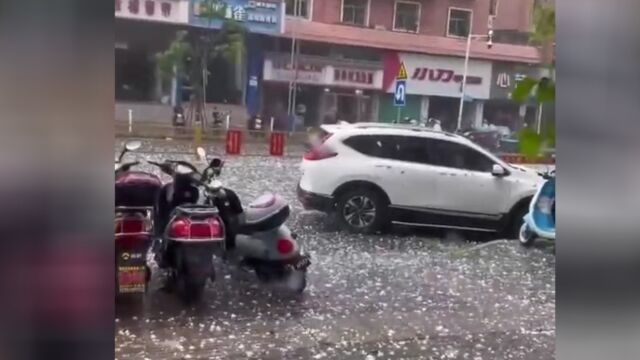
pixel 190 227
pixel 263 243
pixel 540 221
pixel 135 193
pixel 255 237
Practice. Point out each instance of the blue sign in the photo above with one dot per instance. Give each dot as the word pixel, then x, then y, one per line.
pixel 400 95
pixel 261 17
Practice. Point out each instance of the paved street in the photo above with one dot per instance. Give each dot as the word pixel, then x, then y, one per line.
pixel 403 295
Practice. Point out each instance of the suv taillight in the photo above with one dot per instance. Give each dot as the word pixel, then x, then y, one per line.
pixel 319 154
pixel 184 228
pixel 318 151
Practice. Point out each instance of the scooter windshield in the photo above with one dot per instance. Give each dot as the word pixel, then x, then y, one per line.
pixel 544 209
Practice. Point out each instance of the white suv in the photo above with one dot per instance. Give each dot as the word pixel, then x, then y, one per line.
pixel 372 174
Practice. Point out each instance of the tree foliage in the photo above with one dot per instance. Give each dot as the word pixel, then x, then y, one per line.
pixel 190 52
pixel 543 90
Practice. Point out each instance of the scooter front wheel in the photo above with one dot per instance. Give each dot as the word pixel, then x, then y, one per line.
pixel 526 236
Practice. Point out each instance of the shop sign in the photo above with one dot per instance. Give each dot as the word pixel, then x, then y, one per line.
pixel 320 71
pixel 506 77
pixel 172 11
pixel 353 76
pixel 306 72
pixel 263 17
pixel 438 75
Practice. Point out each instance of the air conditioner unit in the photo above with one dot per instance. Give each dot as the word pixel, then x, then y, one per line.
pixel 379 27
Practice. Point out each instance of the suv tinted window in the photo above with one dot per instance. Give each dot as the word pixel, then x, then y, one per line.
pixel 411 149
pixel 403 148
pixel 373 145
pixel 453 155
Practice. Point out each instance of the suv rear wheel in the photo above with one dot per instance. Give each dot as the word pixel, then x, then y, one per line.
pixel 362 210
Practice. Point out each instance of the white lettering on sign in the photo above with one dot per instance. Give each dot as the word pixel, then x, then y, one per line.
pixel 353 76
pixel 503 80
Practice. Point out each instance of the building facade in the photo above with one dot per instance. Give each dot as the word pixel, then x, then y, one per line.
pixel 429 37
pixel 347 55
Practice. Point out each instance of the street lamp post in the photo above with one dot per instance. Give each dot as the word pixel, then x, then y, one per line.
pixel 489 37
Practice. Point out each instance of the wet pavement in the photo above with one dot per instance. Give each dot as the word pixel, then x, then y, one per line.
pixel 401 295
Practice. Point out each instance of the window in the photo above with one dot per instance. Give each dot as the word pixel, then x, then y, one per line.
pixel 372 145
pixel 411 149
pixel 453 155
pixel 355 12
pixel 407 16
pixel 298 8
pixel 459 23
pixel 493 7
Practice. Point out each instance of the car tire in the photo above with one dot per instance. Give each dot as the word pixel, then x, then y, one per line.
pixel 370 206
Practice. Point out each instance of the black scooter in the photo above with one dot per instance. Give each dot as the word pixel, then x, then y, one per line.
pixel 192 213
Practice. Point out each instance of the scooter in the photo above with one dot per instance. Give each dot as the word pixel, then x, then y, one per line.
pixel 190 227
pixel 540 221
pixel 135 193
pixel 261 242
pixel 265 245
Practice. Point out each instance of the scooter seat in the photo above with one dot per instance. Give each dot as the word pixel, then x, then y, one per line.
pixel 265 213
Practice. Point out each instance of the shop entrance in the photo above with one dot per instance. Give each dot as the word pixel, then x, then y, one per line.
pixel 445 109
pixel 345 106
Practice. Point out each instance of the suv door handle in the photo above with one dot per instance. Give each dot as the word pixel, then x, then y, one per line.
pixel 383 166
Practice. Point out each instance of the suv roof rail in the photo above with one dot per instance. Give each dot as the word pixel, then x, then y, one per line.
pixel 364 125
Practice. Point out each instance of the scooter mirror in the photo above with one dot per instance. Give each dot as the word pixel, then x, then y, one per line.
pixel 202 153
pixel 216 166
pixel 133 145
pixel 216 163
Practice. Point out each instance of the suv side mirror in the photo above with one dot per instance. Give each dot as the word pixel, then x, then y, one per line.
pixel 498 171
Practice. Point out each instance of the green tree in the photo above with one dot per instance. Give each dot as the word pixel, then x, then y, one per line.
pixel 543 35
pixel 190 52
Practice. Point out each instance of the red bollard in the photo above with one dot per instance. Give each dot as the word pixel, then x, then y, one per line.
pixel 234 142
pixel 276 144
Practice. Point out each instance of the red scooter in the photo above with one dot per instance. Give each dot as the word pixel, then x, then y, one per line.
pixel 135 193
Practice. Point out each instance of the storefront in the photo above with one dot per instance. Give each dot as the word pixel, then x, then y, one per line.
pixel 137 76
pixel 500 109
pixel 433 88
pixel 328 90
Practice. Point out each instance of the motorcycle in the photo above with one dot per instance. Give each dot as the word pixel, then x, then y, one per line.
pixel 135 193
pixel 262 243
pixel 255 236
pixel 190 227
pixel 540 221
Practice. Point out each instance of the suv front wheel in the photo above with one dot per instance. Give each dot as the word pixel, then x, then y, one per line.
pixel 362 210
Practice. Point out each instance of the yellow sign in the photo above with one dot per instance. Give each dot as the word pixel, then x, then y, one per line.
pixel 402 73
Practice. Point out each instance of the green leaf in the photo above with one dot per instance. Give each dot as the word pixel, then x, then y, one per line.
pixel 530 142
pixel 546 90
pixel 523 89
